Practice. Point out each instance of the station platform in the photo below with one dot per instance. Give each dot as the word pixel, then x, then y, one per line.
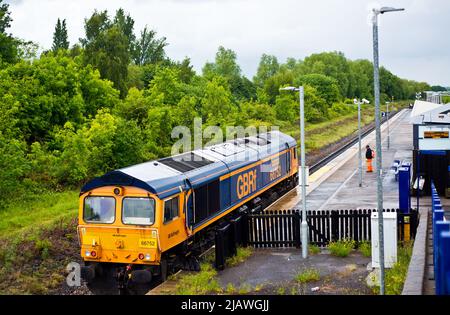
pixel 336 185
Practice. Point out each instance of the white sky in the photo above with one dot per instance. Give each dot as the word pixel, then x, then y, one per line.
pixel 413 44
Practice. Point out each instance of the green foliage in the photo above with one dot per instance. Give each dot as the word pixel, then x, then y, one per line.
pixel 395 276
pixel 445 99
pixel 202 282
pixel 341 248
pixel 51 91
pixel 242 254
pixel 307 275
pixel 107 47
pixel 365 248
pixel 106 143
pixel 13 165
pixel 313 249
pixel 8 44
pixel 60 40
pixel 148 49
pixel 268 67
pixel 326 87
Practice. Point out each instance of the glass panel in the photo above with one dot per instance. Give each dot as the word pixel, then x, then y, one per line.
pixel 99 209
pixel 170 209
pixel 139 211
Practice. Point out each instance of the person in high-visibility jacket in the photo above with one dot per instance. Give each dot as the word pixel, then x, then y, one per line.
pixel 369 156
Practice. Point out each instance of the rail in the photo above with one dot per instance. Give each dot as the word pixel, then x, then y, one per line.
pixel 441 245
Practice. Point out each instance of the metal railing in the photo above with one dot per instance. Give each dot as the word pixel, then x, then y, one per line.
pixel 441 245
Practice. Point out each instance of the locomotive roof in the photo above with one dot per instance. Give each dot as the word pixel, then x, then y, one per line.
pixel 167 176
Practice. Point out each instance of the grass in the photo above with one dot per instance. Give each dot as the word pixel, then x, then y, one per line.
pixel 313 249
pixel 395 276
pixel 37 239
pixel 202 282
pixel 365 248
pixel 341 248
pixel 308 275
pixel 242 253
pixel 39 211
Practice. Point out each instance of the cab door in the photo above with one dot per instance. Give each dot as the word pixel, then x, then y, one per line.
pixel 173 230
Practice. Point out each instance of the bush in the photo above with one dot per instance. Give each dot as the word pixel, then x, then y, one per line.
pixel 313 249
pixel 365 248
pixel 308 275
pixel 341 248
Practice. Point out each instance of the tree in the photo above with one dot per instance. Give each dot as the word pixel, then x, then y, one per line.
pixel 60 40
pixel 8 44
pixel 326 87
pixel 331 64
pixel 226 66
pixel 107 47
pixel 149 49
pixel 41 95
pixel 268 66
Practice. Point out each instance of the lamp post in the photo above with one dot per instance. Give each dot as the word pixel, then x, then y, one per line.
pixel 387 122
pixel 358 102
pixel 376 83
pixel 304 224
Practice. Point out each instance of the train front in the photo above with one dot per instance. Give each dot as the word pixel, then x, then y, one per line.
pixel 118 234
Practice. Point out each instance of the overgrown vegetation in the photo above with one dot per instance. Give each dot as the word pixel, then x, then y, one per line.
pixel 202 282
pixel 33 261
pixel 341 248
pixel 313 249
pixel 307 275
pixel 365 248
pixel 395 276
pixel 242 253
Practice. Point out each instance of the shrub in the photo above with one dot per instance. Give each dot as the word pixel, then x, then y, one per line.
pixel 365 248
pixel 341 248
pixel 313 249
pixel 308 275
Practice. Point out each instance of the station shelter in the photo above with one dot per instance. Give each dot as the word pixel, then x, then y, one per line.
pixel 431 142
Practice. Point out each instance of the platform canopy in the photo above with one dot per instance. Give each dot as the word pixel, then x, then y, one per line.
pixel 430 113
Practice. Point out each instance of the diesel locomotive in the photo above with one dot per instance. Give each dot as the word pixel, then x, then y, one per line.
pixel 139 223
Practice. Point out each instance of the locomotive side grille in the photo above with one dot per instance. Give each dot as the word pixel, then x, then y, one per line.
pixel 185 162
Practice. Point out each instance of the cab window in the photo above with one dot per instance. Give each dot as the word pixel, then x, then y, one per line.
pixel 138 211
pixel 99 209
pixel 170 209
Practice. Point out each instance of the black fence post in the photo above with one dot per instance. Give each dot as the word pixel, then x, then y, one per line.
pixel 334 226
pixel 297 220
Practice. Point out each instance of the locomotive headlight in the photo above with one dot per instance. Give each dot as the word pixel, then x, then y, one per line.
pixel 147 256
pixel 87 253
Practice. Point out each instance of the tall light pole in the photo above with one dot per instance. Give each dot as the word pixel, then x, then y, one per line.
pixel 376 83
pixel 304 225
pixel 358 102
pixel 387 122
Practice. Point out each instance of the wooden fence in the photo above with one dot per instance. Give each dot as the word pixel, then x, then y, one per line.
pixel 281 228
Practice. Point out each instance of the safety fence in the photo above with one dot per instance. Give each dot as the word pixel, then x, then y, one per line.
pixel 281 228
pixel 441 245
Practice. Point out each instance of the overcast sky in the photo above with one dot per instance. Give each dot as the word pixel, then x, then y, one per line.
pixel 413 44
